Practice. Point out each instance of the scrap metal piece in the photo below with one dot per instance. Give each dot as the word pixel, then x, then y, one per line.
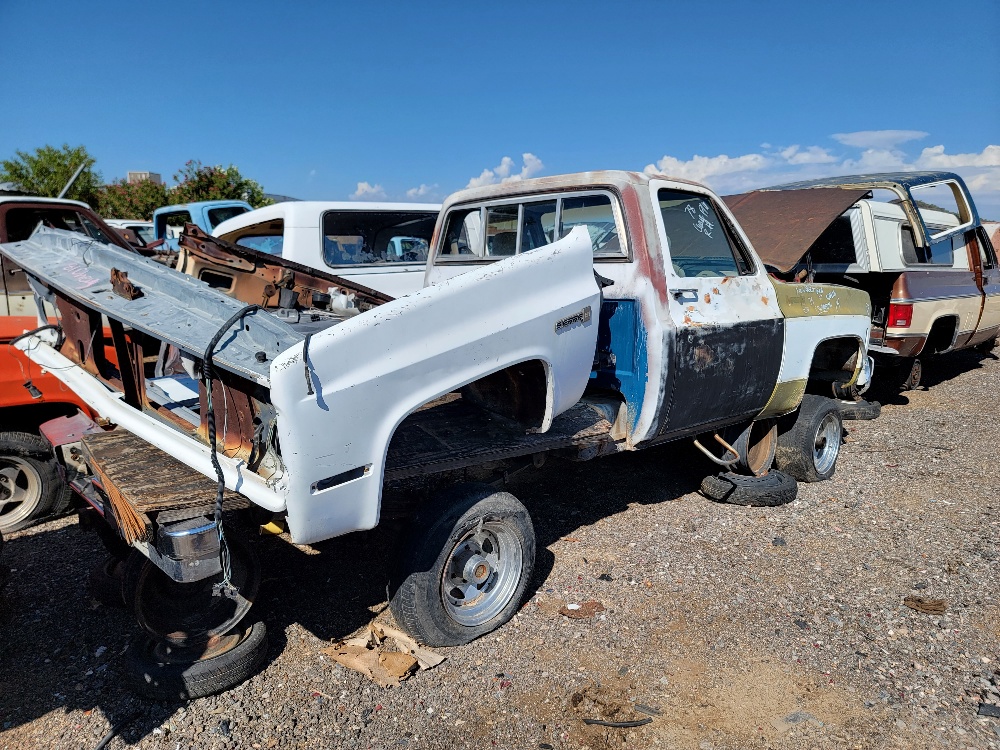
pixel 783 224
pixel 121 286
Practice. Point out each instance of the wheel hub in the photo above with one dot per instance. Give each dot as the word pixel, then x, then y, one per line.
pixel 20 490
pixel 482 573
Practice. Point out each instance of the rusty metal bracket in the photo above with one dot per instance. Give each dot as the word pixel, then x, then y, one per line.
pixel 726 462
pixel 121 286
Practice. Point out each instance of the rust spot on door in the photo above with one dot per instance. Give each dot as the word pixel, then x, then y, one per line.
pixel 765 300
pixel 708 298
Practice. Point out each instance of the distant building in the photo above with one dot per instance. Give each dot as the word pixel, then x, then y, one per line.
pixel 134 177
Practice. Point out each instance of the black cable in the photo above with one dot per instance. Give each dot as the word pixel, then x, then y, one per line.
pixel 305 362
pixel 46 327
pixel 212 434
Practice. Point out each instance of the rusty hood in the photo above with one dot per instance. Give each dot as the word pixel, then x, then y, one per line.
pixel 783 224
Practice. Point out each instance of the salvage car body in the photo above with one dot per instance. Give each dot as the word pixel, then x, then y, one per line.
pixel 378 244
pixel 685 338
pixel 932 274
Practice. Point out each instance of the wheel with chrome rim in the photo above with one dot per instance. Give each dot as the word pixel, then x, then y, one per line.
pixel 467 562
pixel 482 573
pixel 30 485
pixel 809 441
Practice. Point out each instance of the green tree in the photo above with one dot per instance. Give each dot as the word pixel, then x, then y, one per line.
pixel 131 200
pixel 46 171
pixel 197 182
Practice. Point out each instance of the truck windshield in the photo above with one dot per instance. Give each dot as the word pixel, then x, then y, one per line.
pixel 376 237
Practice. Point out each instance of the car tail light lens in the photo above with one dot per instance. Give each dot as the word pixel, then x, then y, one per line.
pixel 900 316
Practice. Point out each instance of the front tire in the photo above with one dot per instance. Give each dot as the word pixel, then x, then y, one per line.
pixel 808 449
pixel 466 566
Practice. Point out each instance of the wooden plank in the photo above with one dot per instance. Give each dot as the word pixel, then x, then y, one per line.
pixel 150 479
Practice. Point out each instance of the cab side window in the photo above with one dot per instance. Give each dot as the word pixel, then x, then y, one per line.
pixel 697 240
pixel 462 237
pixel 538 225
pixel 594 212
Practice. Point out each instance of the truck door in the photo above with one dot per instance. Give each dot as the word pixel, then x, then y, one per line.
pixel 988 278
pixel 726 354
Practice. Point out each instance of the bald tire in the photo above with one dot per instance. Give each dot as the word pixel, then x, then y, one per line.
pixel 772 489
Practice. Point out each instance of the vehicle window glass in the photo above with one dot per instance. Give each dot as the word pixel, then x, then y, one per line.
pixel 836 244
pixel 501 230
pixel 462 238
pixel 265 243
pixel 376 237
pixel 218 215
pixel 144 231
pixel 911 253
pixel 95 231
pixel 987 253
pixel 538 226
pixel 21 222
pixel 696 240
pixel 942 204
pixel 173 223
pixel 594 212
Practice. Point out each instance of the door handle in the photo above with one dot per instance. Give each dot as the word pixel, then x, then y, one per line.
pixel 686 295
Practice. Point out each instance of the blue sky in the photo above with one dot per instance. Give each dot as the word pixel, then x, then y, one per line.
pixel 414 100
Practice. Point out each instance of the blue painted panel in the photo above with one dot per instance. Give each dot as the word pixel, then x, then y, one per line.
pixel 621 354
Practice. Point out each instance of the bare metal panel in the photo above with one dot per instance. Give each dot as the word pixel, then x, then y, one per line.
pixel 783 224
pixel 172 306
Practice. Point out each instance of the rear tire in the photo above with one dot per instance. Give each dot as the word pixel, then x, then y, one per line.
pixel 30 485
pixel 105 582
pixel 157 670
pixel 809 447
pixel 772 489
pixel 466 567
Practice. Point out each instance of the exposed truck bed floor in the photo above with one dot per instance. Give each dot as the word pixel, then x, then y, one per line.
pixel 452 434
pixel 150 479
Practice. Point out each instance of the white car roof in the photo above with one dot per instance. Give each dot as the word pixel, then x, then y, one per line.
pixel 128 222
pixel 39 199
pixel 307 213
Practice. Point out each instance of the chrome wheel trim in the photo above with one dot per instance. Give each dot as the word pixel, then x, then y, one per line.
pixel 20 491
pixel 482 573
pixel 826 447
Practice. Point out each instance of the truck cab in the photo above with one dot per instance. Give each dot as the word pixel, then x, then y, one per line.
pixel 169 221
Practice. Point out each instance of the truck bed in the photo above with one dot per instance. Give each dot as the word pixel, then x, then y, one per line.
pixel 445 435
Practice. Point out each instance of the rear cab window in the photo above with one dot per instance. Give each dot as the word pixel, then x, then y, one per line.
pixel 22 221
pixel 218 215
pixel 698 242
pixel 375 237
pixel 513 226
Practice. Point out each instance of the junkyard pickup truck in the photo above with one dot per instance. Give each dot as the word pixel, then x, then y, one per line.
pixel 381 245
pixel 574 316
pixel 913 241
pixel 206 215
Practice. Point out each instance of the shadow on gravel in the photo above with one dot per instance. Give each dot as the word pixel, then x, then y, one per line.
pixel 61 651
pixel 937 370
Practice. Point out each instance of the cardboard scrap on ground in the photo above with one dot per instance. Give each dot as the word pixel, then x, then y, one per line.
pixel 369 654
pixel 927 606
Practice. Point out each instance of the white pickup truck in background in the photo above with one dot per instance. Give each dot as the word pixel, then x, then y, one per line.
pixel 379 245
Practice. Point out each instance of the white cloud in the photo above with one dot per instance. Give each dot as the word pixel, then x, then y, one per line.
pixel 366 192
pixel 734 174
pixel 422 191
pixel 504 171
pixel 701 168
pixel 935 158
pixel 809 155
pixel 878 139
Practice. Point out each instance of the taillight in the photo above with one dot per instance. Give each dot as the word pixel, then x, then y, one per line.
pixel 900 315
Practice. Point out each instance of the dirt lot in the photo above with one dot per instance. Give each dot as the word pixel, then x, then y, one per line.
pixel 730 627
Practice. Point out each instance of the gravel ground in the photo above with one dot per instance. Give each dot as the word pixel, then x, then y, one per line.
pixel 734 627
